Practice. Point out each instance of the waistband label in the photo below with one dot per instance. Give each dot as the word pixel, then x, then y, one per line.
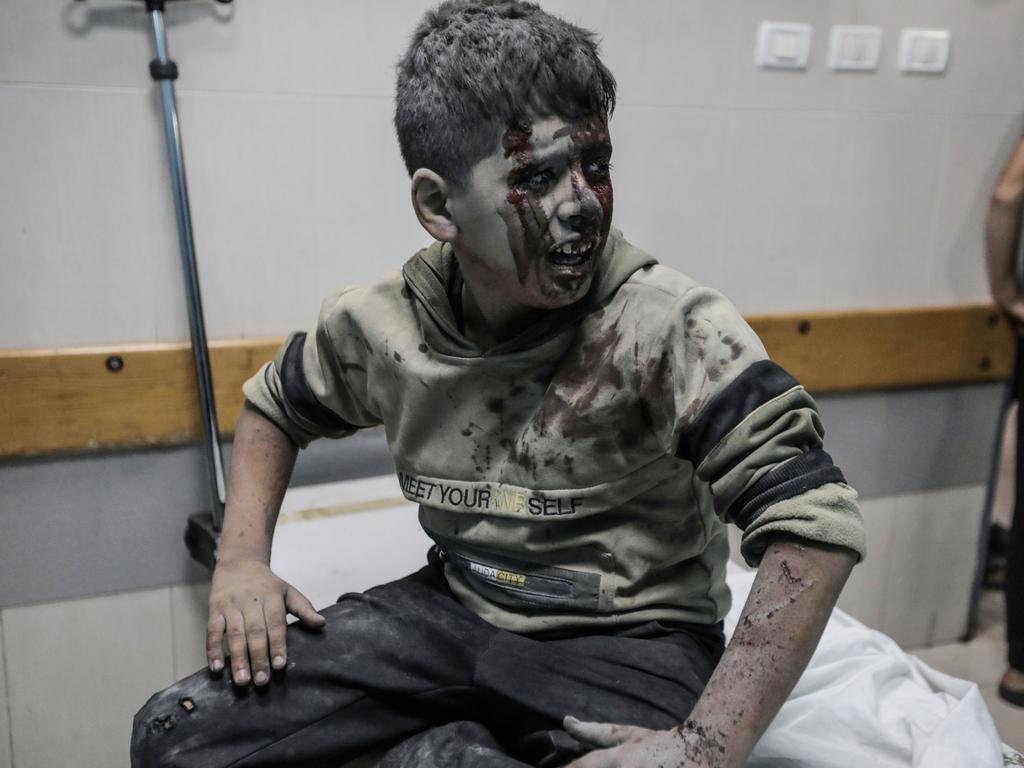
pixel 517 584
pixel 498 576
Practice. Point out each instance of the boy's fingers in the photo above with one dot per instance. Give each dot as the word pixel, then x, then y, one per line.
pixel 297 604
pixel 595 760
pixel 236 647
pixel 256 641
pixel 273 612
pixel 214 641
pixel 601 734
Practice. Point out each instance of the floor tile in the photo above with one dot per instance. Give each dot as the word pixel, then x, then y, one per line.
pixel 81 669
pixel 1009 719
pixel 981 661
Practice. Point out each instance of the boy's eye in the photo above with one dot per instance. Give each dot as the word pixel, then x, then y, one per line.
pixel 538 180
pixel 598 169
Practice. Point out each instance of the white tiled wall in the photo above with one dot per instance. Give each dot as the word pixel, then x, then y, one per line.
pixel 866 593
pixel 921 565
pixel 786 190
pixel 188 627
pixel 931 565
pixel 5 724
pixel 77 672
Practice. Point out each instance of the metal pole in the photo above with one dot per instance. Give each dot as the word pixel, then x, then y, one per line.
pixel 164 71
pixel 1012 392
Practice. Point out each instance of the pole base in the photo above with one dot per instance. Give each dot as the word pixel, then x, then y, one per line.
pixel 202 538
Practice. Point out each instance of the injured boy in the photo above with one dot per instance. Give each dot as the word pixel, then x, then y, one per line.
pixel 577 423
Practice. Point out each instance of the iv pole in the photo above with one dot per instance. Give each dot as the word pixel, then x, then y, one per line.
pixel 203 527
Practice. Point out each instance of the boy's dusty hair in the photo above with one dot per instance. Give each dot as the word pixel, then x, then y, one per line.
pixel 474 67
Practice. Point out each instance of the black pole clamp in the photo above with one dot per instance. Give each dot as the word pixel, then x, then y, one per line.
pixel 163 69
pixel 158 5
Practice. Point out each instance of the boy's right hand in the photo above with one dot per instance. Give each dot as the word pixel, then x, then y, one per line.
pixel 248 604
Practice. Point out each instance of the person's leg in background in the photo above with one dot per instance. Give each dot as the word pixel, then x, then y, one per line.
pixel 1003 503
pixel 1011 687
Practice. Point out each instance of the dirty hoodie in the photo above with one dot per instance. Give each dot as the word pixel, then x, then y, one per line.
pixel 580 474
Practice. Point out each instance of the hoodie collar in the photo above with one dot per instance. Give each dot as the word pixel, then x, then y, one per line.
pixel 430 274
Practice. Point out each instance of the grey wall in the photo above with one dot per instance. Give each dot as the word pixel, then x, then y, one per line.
pixel 892 443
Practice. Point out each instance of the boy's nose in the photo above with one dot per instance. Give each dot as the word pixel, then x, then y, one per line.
pixel 580 209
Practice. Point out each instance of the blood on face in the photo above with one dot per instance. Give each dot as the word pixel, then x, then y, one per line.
pixel 532 205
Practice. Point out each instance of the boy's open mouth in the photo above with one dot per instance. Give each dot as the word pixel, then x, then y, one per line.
pixel 572 254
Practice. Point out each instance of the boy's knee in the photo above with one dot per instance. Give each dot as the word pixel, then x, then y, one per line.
pixel 157 731
pixel 459 744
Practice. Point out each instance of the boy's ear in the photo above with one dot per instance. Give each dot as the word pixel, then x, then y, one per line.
pixel 430 200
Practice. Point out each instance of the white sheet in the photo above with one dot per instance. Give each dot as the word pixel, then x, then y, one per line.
pixel 864 702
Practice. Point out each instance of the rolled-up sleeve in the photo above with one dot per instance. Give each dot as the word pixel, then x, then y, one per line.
pixel 753 434
pixel 316 384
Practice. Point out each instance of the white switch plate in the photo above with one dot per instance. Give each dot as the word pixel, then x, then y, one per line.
pixel 924 50
pixel 783 44
pixel 857 48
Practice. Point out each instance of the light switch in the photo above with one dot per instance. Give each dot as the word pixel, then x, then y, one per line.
pixel 783 44
pixel 857 48
pixel 924 50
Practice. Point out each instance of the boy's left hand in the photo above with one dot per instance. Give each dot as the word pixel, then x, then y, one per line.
pixel 629 746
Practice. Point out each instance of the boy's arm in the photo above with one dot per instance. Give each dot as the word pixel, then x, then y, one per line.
pixel 248 603
pixel 755 439
pixel 1002 235
pixel 795 589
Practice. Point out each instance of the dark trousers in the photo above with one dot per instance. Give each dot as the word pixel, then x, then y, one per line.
pixel 1014 584
pixel 406 664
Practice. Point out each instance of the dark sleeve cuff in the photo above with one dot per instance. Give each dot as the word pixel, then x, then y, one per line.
pixel 812 469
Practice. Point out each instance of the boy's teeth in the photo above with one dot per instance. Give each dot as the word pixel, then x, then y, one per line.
pixel 573 253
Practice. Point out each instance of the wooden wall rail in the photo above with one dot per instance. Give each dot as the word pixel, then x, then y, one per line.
pixel 57 400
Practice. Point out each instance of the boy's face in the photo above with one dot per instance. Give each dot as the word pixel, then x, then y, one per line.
pixel 533 216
